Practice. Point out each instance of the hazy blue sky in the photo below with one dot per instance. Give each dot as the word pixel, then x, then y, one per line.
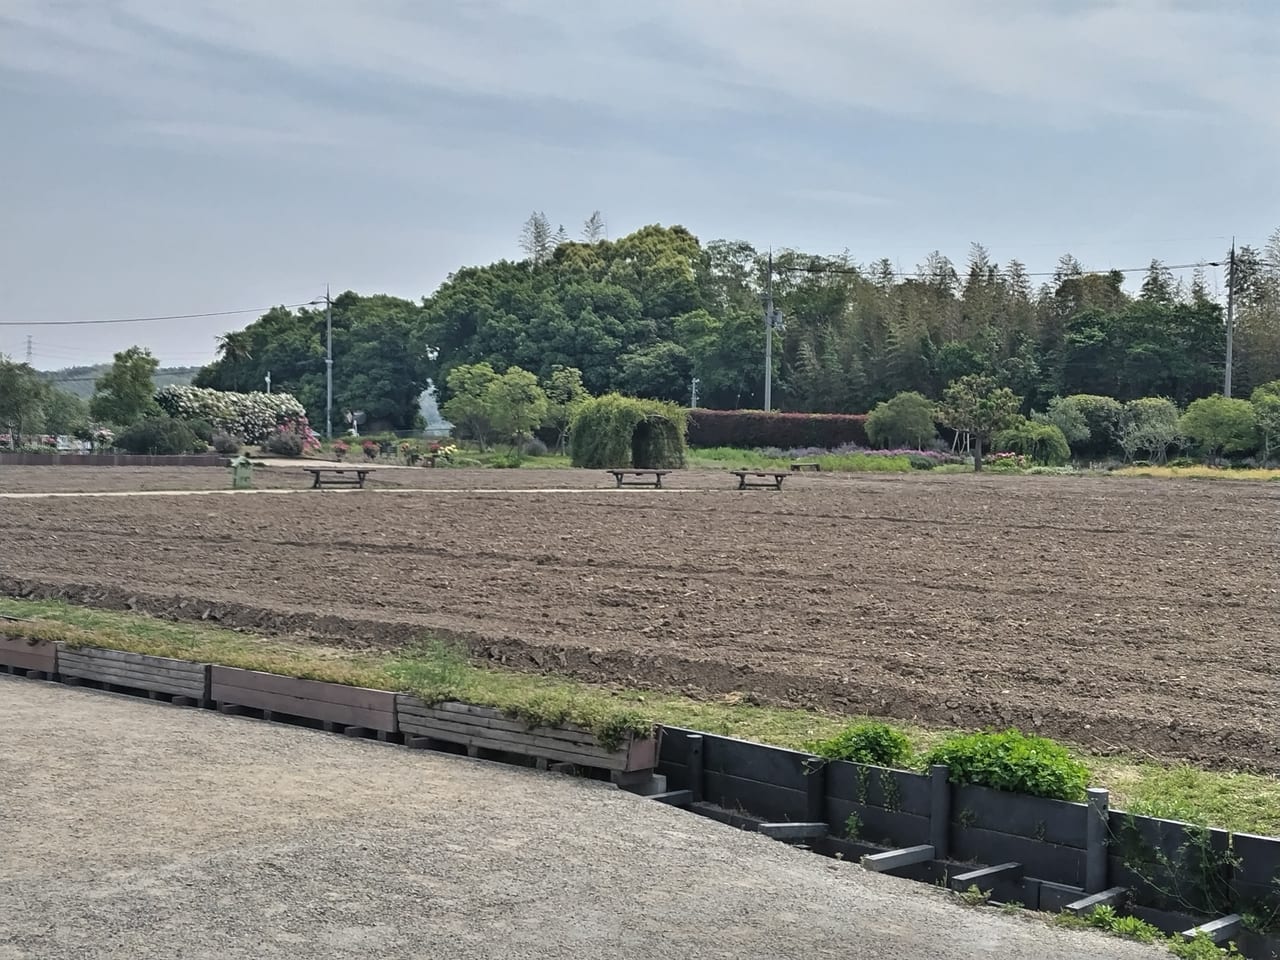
pixel 178 157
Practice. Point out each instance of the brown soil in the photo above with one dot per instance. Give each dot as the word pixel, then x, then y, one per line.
pixel 1127 615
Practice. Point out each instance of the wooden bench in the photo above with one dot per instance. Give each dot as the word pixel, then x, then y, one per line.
pixel 806 465
pixel 771 479
pixel 657 476
pixel 187 683
pixel 338 476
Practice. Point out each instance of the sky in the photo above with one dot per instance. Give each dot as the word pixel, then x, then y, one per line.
pixel 163 158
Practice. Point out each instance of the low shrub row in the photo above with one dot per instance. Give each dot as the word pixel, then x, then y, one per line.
pixel 1007 760
pixel 755 428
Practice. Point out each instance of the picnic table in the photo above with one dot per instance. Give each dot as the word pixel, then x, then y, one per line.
pixel 655 475
pixel 799 465
pixel 771 479
pixel 338 476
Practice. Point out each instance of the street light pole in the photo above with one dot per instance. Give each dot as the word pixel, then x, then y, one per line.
pixel 328 364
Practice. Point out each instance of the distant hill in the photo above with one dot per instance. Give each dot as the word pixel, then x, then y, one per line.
pixel 80 380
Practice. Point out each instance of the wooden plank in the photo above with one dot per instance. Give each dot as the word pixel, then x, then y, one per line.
pixel 897 790
pixel 490 742
pixel 895 859
pixel 516 742
pixel 28 654
pixel 160 668
pixel 1219 931
pixel 361 698
pixel 793 831
pixel 888 828
pixel 1047 861
pixel 1107 898
pixel 136 679
pixel 762 800
pixel 1037 818
pixel 341 714
pixel 987 878
pixel 491 718
pixel 128 656
pixel 755 761
pixel 675 798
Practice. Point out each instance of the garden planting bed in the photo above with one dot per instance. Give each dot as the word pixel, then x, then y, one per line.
pixel 1124 615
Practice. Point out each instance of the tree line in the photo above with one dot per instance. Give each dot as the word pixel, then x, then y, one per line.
pixel 647 313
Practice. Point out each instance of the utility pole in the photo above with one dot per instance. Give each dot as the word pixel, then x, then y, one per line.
pixel 328 364
pixel 693 399
pixel 268 381
pixel 772 321
pixel 1231 303
pixel 28 350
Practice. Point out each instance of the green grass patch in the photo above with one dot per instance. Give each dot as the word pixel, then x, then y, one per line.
pixel 731 458
pixel 1235 801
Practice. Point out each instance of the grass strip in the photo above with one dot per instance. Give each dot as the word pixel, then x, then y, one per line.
pixel 1241 802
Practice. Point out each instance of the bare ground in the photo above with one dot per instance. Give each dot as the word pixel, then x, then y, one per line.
pixel 1127 615
pixel 134 829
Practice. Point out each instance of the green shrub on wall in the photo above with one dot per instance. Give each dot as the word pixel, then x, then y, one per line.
pixel 614 431
pixel 1014 761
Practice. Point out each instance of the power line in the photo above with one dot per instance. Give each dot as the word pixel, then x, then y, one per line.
pixel 920 274
pixel 176 316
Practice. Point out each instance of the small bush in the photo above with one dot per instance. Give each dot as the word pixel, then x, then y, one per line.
pixel 507 461
pixel 906 419
pixel 284 443
pixel 1013 761
pixel 1044 443
pixel 159 435
pixel 226 444
pixel 921 462
pixel 874 743
pixel 533 447
pixel 202 429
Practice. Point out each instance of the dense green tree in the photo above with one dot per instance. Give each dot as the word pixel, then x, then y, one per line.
pixel 1065 414
pixel 1221 425
pixel 907 419
pixel 976 406
pixel 63 413
pixel 22 399
pixel 1044 443
pixel 1266 415
pixel 565 394
pixel 517 405
pixel 1149 425
pixel 381 359
pixel 469 406
pixel 126 393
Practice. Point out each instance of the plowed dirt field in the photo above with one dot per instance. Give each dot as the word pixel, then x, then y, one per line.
pixel 1124 614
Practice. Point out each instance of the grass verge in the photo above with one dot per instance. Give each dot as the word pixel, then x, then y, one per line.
pixel 732 458
pixel 1235 801
pixel 1199 472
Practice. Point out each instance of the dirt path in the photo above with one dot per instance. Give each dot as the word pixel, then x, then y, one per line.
pixel 1123 614
pixel 134 829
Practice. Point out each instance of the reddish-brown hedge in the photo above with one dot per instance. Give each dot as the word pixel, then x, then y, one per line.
pixel 755 428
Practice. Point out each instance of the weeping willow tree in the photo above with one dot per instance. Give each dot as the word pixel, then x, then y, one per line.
pixel 614 432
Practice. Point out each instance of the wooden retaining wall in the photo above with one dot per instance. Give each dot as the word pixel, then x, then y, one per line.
pixel 332 704
pixel 21 653
pixel 117 668
pixel 111 460
pixel 489 729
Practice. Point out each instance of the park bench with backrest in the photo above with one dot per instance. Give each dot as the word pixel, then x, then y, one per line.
pixel 338 476
pixel 762 478
pixel 638 477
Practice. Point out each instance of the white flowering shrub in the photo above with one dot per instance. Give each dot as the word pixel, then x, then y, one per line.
pixel 250 416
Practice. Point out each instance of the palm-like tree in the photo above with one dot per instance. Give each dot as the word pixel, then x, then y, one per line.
pixel 234 346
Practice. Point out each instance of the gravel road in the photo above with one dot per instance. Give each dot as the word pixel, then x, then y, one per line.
pixel 131 829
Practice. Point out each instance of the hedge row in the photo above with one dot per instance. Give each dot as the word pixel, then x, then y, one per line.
pixel 755 428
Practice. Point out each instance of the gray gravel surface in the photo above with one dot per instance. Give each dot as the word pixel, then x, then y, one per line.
pixel 130 829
